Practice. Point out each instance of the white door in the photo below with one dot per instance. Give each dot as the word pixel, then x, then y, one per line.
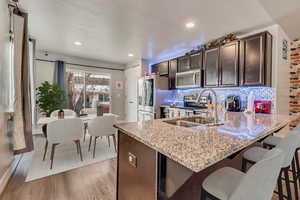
pixel 131 79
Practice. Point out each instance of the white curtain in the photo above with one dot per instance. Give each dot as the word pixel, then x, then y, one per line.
pixel 22 131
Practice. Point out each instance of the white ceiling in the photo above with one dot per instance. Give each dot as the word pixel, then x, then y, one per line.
pixel 286 13
pixel 151 29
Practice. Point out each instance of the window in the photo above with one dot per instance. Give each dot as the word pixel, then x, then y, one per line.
pixel 87 90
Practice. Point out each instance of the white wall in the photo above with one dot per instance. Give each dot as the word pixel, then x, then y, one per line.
pixel 6 156
pixel 45 70
pixel 282 77
pixel 4 57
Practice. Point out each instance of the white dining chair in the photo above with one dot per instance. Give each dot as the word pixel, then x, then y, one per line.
pixel 64 131
pixel 102 126
pixel 67 113
pixel 288 145
pixel 88 111
pixel 257 184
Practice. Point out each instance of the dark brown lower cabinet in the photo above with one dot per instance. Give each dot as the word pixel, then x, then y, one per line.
pixel 145 174
pixel 137 169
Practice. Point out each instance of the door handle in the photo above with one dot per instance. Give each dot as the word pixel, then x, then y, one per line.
pixel 131 101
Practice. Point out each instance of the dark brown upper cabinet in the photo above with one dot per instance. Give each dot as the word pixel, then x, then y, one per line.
pixel 184 63
pixel 196 61
pixel 256 60
pixel 172 74
pixel 211 68
pixel 229 65
pixel 161 68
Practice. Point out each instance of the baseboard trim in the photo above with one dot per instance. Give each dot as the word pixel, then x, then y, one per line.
pixel 9 172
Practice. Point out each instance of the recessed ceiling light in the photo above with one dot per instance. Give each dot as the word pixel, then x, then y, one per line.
pixel 77 43
pixel 130 55
pixel 190 25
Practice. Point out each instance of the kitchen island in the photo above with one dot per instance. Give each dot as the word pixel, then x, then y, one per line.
pixel 161 160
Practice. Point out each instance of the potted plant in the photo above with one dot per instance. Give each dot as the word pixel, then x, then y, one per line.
pixel 50 98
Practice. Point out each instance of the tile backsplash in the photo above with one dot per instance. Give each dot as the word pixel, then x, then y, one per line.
pixel 260 93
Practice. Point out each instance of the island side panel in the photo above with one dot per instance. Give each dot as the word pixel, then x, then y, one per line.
pixel 136 171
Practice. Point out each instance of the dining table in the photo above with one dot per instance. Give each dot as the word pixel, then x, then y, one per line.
pixel 43 121
pixel 84 118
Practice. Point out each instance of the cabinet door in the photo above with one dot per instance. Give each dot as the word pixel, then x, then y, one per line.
pixel 196 61
pixel 252 60
pixel 184 64
pixel 229 64
pixel 154 68
pixel 211 68
pixel 163 68
pixel 136 171
pixel 172 74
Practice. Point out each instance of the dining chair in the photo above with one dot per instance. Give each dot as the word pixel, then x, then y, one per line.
pixel 288 145
pixel 89 111
pixel 67 113
pixel 257 184
pixel 102 126
pixel 64 131
pixel 54 114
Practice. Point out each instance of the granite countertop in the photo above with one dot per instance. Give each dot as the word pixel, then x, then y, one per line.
pixel 199 147
pixel 184 107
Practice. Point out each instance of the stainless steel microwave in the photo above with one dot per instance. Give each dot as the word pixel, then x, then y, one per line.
pixel 190 79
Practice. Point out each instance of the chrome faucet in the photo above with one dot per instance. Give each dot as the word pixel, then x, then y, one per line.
pixel 216 119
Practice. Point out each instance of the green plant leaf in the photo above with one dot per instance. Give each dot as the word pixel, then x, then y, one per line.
pixel 50 98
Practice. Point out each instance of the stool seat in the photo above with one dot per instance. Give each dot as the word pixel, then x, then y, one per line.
pixel 223 182
pixel 272 140
pixel 255 154
pixel 288 145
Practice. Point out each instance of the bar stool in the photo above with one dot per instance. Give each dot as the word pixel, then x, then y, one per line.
pixel 272 141
pixel 288 145
pixel 258 183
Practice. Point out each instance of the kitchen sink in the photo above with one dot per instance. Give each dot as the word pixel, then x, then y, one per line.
pixel 193 121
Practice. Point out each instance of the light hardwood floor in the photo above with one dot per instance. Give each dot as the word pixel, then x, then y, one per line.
pixel 93 182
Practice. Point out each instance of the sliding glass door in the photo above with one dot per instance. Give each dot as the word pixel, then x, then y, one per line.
pixel 87 90
pixel 97 91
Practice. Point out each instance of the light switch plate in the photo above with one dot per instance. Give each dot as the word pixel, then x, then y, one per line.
pixel 132 160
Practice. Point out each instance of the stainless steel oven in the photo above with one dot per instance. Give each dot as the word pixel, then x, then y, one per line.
pixel 190 79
